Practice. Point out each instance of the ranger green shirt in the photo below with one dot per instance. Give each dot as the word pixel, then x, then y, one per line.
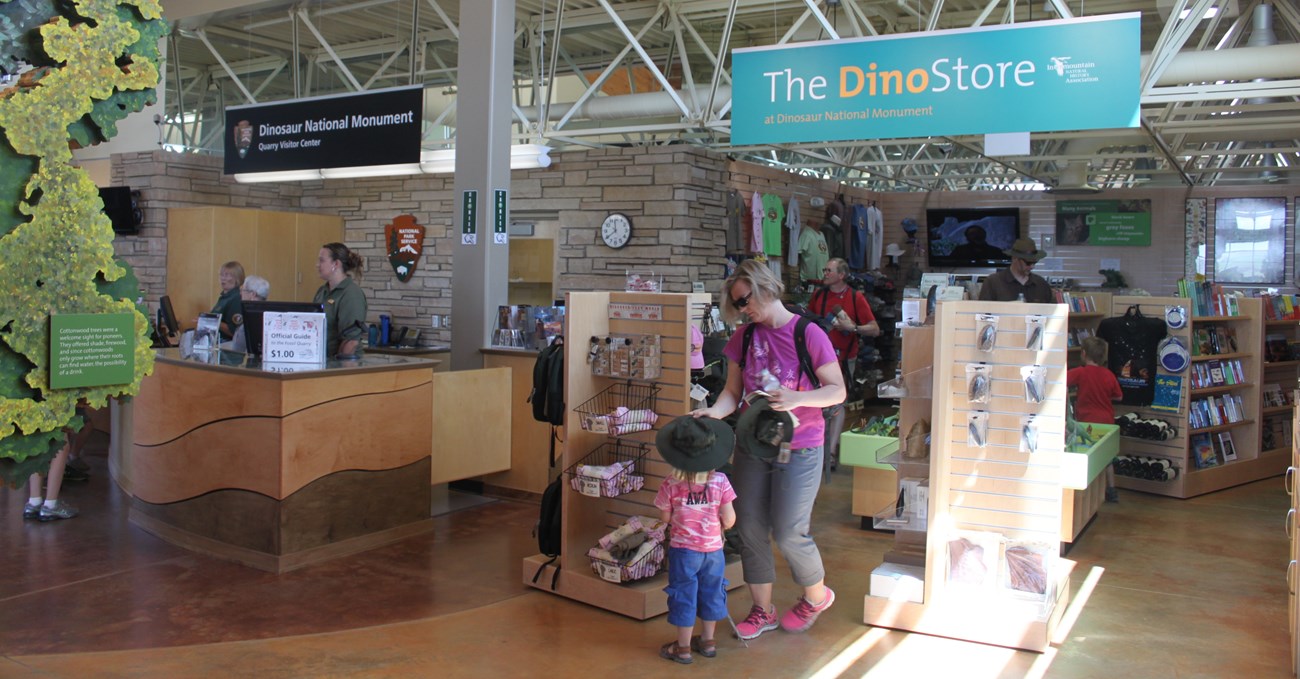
pixel 231 308
pixel 345 314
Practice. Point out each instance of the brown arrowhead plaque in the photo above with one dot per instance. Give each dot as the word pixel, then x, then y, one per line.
pixel 405 244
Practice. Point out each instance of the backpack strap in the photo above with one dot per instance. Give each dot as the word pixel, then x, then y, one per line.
pixel 800 348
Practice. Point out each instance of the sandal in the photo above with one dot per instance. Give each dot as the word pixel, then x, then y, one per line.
pixel 671 651
pixel 707 649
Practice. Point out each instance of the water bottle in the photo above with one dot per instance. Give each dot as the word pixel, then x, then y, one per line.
pixel 385 329
pixel 768 381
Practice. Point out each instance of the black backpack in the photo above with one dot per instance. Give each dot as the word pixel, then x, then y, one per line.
pixel 547 396
pixel 547 530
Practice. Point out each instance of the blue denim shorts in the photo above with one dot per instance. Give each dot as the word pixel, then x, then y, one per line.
pixel 696 586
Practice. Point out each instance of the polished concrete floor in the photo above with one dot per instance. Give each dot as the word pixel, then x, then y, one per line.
pixel 1182 589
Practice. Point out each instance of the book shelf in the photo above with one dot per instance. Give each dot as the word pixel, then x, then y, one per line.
pixel 995 492
pixel 585 519
pixel 1219 413
pixel 1279 379
pixel 1087 311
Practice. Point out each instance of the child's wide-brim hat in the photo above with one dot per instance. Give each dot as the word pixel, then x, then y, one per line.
pixel 760 431
pixel 696 444
pixel 1025 249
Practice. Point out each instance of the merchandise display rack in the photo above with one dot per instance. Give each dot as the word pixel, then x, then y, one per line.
pixel 995 490
pixel 1252 463
pixel 586 519
pixel 1275 420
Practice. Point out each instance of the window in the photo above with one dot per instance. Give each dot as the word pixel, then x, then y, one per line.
pixel 1250 241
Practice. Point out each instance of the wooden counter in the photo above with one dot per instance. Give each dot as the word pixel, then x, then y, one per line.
pixel 530 470
pixel 279 469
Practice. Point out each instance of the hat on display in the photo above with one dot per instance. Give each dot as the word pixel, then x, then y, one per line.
pixel 695 444
pixel 893 250
pixel 835 219
pixel 1175 317
pixel 909 225
pixel 761 431
pixel 1172 355
pixel 1025 249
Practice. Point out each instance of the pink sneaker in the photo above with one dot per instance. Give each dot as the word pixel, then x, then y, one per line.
pixel 804 614
pixel 757 622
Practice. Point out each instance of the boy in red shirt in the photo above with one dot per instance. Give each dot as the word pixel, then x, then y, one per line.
pixel 1097 390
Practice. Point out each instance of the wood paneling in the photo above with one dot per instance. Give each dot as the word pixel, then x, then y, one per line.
pixel 191 275
pixel 529 439
pixel 471 425
pixel 276 253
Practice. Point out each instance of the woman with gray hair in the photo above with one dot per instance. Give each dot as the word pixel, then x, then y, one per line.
pixel 254 289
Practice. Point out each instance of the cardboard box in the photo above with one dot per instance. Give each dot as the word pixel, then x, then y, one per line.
pixel 898 582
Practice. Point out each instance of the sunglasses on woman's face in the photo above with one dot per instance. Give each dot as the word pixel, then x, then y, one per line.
pixel 743 301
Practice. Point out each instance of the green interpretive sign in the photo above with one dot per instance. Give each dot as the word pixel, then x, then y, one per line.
pixel 1103 222
pixel 91 350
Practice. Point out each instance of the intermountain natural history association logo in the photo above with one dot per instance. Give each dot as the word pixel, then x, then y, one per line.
pixel 405 241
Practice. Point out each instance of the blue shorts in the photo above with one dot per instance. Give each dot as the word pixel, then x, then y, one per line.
pixel 696 586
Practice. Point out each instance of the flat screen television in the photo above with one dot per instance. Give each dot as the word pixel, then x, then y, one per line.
pixel 971 237
pixel 253 311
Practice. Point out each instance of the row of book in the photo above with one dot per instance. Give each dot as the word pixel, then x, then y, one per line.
pixel 1279 348
pixel 1211 451
pixel 1216 373
pixel 1276 433
pixel 1213 411
pixel 1273 396
pixel 1208 299
pixel 1281 307
pixel 1078 303
pixel 1213 339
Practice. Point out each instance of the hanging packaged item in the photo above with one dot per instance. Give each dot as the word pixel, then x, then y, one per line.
pixel 1035 380
pixel 1029 435
pixel 626 355
pixel 977 429
pixel 1035 325
pixel 986 332
pixel 979 382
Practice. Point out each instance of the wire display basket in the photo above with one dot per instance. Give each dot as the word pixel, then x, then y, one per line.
pixel 610 470
pixel 645 566
pixel 622 409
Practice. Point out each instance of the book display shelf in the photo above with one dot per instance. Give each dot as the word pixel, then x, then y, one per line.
pixel 1087 311
pixel 992 571
pixel 1279 378
pixel 589 516
pixel 1219 416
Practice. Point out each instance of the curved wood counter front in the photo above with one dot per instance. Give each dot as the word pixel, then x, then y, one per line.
pixel 280 469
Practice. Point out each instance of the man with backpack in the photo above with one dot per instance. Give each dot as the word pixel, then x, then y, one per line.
pixel 849 315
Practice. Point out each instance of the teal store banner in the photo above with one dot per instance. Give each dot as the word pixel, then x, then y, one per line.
pixel 1070 74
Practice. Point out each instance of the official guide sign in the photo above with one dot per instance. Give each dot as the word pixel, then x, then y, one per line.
pixel 293 337
pixel 1069 74
pixel 91 350
pixel 371 128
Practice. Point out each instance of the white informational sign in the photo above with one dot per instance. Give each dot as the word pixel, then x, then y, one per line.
pixel 293 337
pixel 639 312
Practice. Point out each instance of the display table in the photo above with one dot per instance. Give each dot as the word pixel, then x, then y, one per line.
pixel 440 354
pixel 278 466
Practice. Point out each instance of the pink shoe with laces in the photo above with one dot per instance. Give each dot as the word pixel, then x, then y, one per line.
pixel 757 622
pixel 804 614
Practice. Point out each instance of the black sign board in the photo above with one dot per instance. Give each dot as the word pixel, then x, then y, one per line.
pixel 370 128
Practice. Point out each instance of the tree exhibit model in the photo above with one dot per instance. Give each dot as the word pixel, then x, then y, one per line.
pixel 84 65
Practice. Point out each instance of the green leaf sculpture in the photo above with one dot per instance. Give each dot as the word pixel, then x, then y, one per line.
pixel 93 62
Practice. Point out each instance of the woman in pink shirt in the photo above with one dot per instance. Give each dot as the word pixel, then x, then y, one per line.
pixel 775 497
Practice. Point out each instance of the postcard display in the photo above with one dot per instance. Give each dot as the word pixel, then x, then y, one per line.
pixel 626 352
pixel 1231 346
pixel 992 570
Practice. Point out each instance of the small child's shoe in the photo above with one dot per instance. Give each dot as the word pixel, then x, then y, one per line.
pixel 705 648
pixel 671 651
pixel 60 510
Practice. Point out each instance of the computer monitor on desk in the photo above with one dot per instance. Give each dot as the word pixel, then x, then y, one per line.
pixel 254 310
pixel 167 326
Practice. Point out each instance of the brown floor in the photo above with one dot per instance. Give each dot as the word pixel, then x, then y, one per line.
pixel 1190 589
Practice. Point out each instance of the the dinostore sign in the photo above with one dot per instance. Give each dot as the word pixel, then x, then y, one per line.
pixel 1072 74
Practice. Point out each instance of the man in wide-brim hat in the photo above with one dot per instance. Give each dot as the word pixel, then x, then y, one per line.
pixel 1018 281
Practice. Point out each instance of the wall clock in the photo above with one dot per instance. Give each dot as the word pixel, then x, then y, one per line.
pixel 616 230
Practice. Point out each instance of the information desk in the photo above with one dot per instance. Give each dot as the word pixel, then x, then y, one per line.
pixel 278 466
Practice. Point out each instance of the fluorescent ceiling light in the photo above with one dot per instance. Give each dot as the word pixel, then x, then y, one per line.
pixel 285 176
pixel 441 161
pixel 371 171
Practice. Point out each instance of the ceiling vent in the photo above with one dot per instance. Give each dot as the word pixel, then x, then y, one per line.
pixel 1074 181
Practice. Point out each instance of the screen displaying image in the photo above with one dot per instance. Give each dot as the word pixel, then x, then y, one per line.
pixel 971 237
pixel 1250 241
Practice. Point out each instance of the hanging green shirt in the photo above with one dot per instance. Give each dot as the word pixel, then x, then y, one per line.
pixel 345 314
pixel 773 218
